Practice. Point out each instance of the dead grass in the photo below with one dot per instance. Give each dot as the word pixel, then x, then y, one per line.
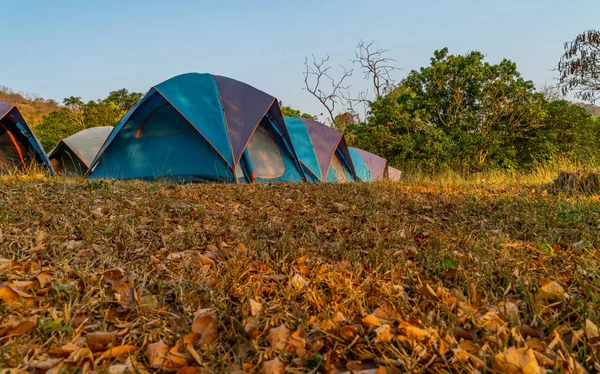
pixel 586 182
pixel 139 277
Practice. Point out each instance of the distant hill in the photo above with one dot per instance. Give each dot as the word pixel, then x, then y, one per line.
pixel 32 107
pixel 590 108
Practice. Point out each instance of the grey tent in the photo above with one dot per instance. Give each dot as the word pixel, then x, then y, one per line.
pixel 74 154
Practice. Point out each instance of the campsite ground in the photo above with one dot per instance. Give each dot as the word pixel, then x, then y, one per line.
pixel 414 276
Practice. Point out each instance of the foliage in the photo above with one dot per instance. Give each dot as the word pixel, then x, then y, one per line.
pixel 291 112
pixel 567 131
pixel 75 115
pixel 54 128
pixel 466 114
pixel 579 66
pixel 32 107
pixel 124 99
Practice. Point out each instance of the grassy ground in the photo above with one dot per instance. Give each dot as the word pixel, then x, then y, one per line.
pixel 413 277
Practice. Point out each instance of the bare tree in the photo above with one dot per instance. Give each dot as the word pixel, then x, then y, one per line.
pixel 376 67
pixel 551 93
pixel 579 67
pixel 357 105
pixel 323 86
pixel 333 94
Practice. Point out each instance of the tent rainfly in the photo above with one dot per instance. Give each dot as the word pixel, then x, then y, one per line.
pixel 74 154
pixel 322 151
pixel 395 174
pixel 201 127
pixel 369 167
pixel 19 148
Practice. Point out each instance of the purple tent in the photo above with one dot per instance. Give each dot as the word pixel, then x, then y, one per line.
pixel 394 174
pixel 326 143
pixel 377 165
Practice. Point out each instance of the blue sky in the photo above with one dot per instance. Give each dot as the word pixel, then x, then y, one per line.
pixel 88 48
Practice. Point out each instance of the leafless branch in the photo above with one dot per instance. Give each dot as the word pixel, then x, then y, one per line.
pixel 356 106
pixel 579 67
pixel 323 86
pixel 376 67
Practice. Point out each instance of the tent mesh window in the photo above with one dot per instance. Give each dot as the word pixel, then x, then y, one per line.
pixel 241 178
pixel 264 155
pixel 339 170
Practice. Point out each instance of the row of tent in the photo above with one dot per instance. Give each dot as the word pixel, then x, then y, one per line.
pixel 194 128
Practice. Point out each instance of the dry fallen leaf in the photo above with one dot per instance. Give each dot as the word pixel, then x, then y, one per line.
pixel 427 292
pixel 296 344
pixel 44 278
pixel 117 369
pixel 460 355
pixel 531 331
pixel 298 282
pixel 65 350
pixel 384 334
pixel 97 214
pixel 159 356
pixel 79 319
pixel 413 332
pixel 195 355
pixel 371 321
pixel 591 329
pixel 119 351
pixel 5 263
pixel 46 364
pixel 80 355
pixel 511 310
pixel 339 208
pixel 21 329
pixel 255 307
pixel 187 370
pixel 550 290
pixel 191 338
pixel 273 367
pixel 348 332
pixel 156 353
pixel 278 337
pixel 205 325
pixel 99 340
pixel 9 296
pixel 516 361
pixel 251 325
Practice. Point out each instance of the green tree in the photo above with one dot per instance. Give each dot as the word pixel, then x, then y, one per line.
pixel 102 113
pixel 567 131
pixel 75 115
pixel 459 112
pixel 291 112
pixel 124 99
pixel 55 126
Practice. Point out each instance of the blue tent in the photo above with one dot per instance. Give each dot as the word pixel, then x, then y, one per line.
pixel 362 170
pixel 369 167
pixel 321 150
pixel 19 148
pixel 201 127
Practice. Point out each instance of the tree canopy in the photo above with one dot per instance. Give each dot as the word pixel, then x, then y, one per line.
pixel 467 114
pixel 75 115
pixel 291 112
